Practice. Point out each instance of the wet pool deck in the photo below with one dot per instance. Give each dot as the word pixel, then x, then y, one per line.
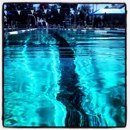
pixel 96 30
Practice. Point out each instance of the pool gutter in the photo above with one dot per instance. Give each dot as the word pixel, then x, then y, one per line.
pixel 20 31
pixel 96 30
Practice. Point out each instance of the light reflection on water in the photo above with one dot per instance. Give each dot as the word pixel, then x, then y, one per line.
pixel 32 76
pixel 31 86
pixel 101 78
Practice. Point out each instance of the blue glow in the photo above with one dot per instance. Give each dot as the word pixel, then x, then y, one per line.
pixel 47 85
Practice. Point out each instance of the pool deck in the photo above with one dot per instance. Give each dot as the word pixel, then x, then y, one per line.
pixel 96 30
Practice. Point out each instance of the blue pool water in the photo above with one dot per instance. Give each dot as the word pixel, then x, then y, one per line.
pixel 64 79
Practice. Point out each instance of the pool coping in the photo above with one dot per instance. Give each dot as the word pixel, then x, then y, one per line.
pixel 19 31
pixel 95 30
pixel 101 30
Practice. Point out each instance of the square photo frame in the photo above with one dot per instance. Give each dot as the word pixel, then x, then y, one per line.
pixel 64 65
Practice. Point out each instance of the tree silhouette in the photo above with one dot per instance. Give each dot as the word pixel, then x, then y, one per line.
pixel 84 11
pixel 113 5
pixel 106 7
pixel 12 12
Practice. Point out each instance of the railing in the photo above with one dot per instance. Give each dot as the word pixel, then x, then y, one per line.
pixel 33 17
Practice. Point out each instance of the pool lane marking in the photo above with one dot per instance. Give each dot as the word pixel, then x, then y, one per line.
pixel 65 98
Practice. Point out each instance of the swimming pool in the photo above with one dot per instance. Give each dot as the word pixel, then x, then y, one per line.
pixel 64 79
